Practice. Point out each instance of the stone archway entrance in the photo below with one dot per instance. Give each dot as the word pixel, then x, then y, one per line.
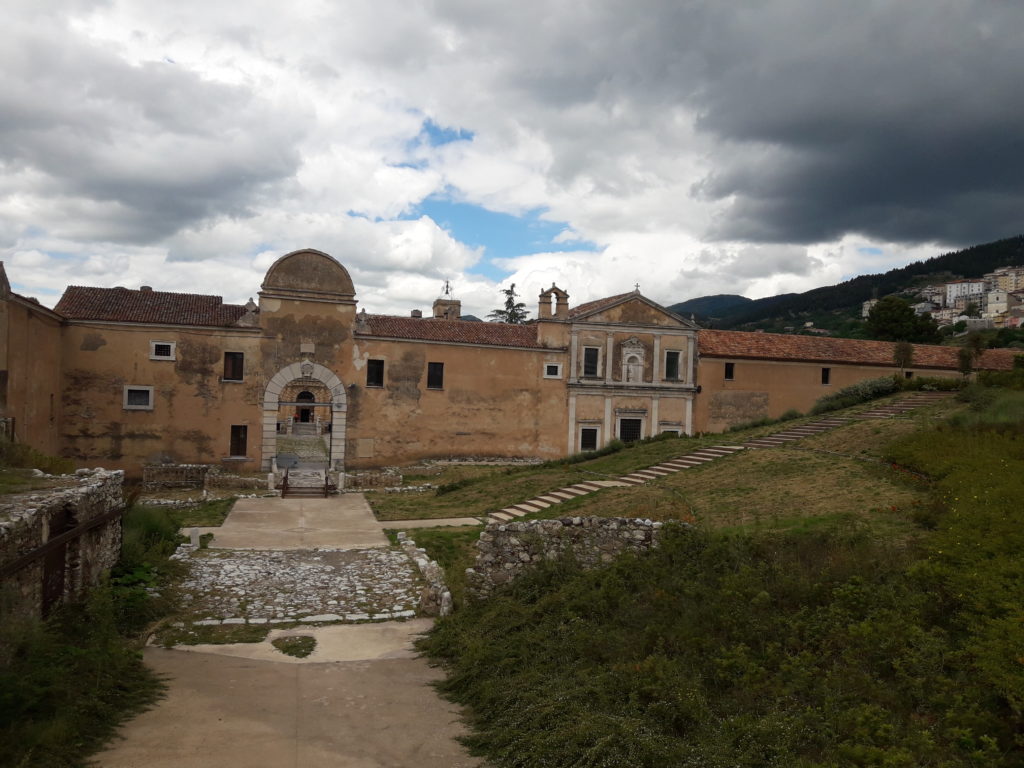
pixel 306 370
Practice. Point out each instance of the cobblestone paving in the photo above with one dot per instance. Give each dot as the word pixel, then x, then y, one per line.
pixel 260 587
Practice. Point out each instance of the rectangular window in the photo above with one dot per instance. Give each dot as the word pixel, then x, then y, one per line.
pixel 730 371
pixel 375 373
pixel 588 439
pixel 239 439
pixel 908 374
pixel 435 375
pixel 552 370
pixel 591 356
pixel 630 430
pixel 161 350
pixel 138 398
pixel 672 365
pixel 826 375
pixel 234 365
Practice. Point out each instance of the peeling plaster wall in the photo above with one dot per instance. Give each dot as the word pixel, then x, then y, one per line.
pixel 30 365
pixel 767 388
pixel 193 407
pixel 495 402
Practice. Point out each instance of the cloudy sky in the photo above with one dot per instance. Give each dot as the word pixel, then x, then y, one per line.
pixel 690 146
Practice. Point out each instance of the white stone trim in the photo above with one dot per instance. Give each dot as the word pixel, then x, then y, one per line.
pixel 339 409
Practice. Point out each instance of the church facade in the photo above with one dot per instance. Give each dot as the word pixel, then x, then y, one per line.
pixel 121 378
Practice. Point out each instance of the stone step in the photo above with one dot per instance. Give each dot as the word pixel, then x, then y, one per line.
pixel 572 491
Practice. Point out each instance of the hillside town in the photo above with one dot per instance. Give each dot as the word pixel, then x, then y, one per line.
pixel 995 300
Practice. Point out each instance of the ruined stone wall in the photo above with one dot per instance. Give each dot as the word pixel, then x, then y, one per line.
pixel 506 550
pixel 28 521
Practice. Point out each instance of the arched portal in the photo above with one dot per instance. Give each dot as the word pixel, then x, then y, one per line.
pixel 307 370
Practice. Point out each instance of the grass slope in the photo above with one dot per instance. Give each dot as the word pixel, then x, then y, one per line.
pixel 836 646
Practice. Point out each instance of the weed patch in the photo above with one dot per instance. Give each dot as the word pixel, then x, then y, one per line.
pixel 299 646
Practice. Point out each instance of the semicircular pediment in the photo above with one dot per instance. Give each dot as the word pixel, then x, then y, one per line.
pixel 308 272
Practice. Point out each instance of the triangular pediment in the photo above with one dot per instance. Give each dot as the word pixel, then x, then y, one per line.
pixel 632 309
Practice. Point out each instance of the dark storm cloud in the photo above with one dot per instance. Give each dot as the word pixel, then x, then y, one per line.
pixel 895 120
pixel 131 152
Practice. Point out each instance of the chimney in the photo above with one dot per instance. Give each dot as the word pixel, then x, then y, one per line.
pixel 416 313
pixel 447 309
pixel 146 288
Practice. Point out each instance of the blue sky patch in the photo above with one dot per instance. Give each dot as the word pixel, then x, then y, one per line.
pixel 502 235
pixel 437 135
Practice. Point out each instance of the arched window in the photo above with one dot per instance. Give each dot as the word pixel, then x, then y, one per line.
pixel 305 397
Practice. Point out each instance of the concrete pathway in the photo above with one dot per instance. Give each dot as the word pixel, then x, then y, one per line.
pixel 337 522
pixel 362 700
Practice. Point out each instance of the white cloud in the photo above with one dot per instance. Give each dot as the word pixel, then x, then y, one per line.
pixel 186 145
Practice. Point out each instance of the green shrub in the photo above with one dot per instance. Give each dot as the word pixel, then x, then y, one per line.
pixel 613 446
pixel 455 485
pixel 861 392
pixel 931 384
pixel 17 455
pixel 66 684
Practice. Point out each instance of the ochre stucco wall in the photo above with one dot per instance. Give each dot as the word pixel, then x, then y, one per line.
pixel 767 388
pixel 30 365
pixel 193 408
pixel 495 402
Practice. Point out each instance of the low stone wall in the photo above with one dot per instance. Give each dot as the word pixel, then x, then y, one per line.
pixel 385 478
pixel 435 599
pixel 161 477
pixel 218 480
pixel 506 550
pixel 29 521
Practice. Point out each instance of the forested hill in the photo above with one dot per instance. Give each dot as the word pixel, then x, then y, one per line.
pixel 711 306
pixel 970 262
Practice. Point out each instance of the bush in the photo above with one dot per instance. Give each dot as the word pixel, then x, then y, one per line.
pixel 718 650
pixel 22 456
pixel 66 684
pixel 855 394
pixel 614 446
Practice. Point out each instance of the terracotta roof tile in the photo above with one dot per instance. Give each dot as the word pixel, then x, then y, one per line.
pixel 777 346
pixel 593 306
pixel 133 306
pixel 464 331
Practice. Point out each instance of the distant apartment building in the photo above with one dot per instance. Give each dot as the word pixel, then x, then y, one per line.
pixel 865 308
pixel 936 294
pixel 1005 279
pixel 968 290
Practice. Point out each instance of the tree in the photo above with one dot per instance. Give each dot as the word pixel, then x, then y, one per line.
pixel 893 319
pixel 972 309
pixel 903 354
pixel 513 312
pixel 965 361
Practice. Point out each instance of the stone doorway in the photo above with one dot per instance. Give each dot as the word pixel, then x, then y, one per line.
pixel 311 399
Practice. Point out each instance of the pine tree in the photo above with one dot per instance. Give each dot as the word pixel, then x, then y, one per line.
pixel 513 312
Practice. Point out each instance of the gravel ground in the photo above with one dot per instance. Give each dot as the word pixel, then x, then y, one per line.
pixel 258 587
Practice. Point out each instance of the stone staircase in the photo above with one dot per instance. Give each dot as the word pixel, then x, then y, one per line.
pixel 306 484
pixel 705 455
pixel 903 405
